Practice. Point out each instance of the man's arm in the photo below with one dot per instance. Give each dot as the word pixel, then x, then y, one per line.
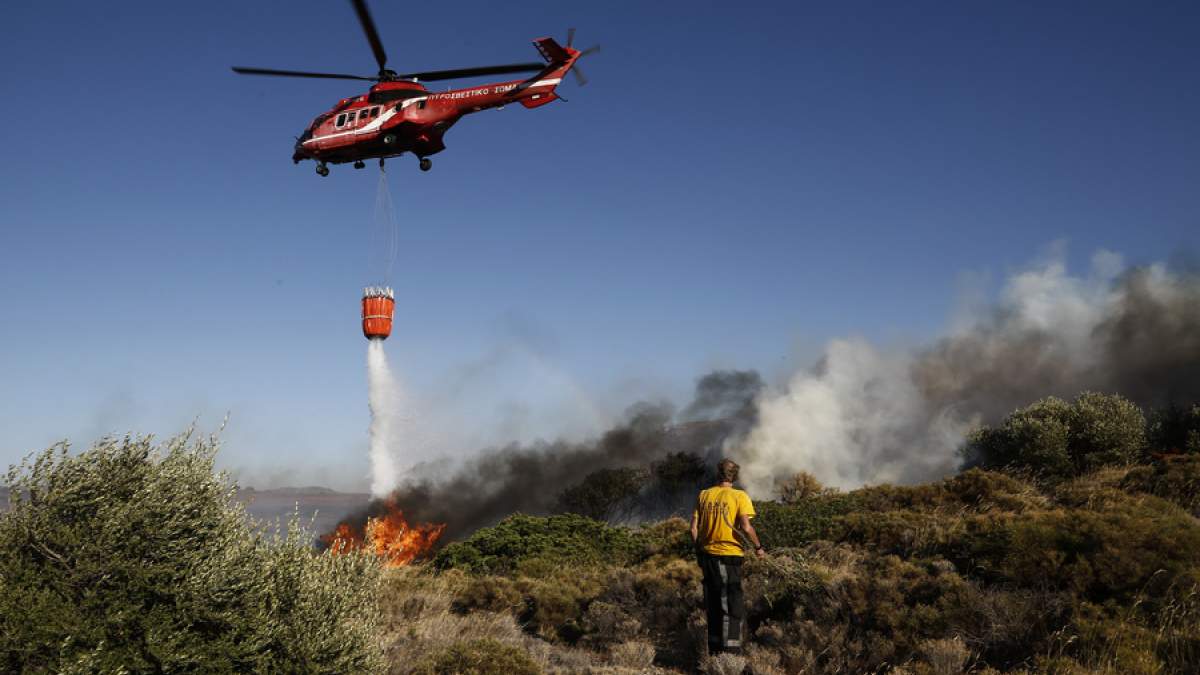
pixel 695 527
pixel 743 523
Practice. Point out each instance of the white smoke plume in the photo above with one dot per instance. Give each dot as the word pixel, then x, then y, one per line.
pixel 869 415
pixel 387 420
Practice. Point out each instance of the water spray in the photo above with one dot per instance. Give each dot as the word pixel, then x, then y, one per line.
pixel 378 307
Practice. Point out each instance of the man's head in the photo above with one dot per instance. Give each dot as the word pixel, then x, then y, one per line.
pixel 727 471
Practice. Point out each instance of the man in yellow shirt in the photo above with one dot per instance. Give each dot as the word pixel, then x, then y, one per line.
pixel 720 510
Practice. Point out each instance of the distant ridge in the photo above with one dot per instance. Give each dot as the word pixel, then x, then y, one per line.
pixel 320 508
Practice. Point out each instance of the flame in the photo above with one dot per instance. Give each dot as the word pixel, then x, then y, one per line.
pixel 389 536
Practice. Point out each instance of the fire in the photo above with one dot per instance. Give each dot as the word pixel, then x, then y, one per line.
pixel 388 536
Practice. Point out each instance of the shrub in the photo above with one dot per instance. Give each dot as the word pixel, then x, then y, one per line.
pixel 1174 429
pixel 670 537
pixel 799 487
pixel 723 664
pixel 782 525
pixel 1175 479
pixel 652 600
pixel 679 471
pixel 1111 552
pixel 1106 429
pixel 132 556
pixel 900 532
pixel 944 657
pixel 605 494
pixel 1057 439
pixel 554 603
pixel 1034 437
pixel 479 657
pixel 971 490
pixel 777 586
pixel 489 593
pixel 635 654
pixel 560 540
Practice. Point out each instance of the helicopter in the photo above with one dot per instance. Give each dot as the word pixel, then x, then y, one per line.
pixel 399 115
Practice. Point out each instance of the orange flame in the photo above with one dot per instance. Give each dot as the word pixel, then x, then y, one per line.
pixel 388 536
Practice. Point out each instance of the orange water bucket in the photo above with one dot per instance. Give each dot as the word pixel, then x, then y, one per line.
pixel 378 303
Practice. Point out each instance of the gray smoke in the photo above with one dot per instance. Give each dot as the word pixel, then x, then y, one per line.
pixel 529 478
pixel 868 415
pixel 725 394
pixel 864 414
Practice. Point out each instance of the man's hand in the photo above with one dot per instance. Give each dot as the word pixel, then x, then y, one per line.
pixel 760 552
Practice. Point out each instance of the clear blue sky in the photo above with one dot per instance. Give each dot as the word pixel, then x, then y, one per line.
pixel 737 184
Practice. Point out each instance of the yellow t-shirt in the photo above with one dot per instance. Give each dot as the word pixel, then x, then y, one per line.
pixel 718 509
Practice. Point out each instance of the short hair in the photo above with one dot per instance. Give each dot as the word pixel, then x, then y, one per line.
pixel 727 470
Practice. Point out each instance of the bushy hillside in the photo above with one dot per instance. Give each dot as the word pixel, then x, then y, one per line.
pixel 1080 556
pixel 1071 545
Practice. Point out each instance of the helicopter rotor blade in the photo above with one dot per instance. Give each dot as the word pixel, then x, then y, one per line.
pixel 299 73
pixel 570 36
pixel 580 79
pixel 590 50
pixel 368 26
pixel 432 75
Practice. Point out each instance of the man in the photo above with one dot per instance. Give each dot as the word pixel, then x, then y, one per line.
pixel 721 510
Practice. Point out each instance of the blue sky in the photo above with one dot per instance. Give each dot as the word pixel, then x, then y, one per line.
pixel 736 185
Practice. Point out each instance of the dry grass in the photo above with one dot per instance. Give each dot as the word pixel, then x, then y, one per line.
pixel 723 664
pixel 636 655
pixel 422 622
pixel 944 657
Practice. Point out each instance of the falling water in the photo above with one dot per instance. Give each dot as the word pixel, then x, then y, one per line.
pixel 387 422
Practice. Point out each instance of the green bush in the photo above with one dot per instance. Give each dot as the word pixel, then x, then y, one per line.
pixel 1106 429
pixel 133 556
pixel 1057 439
pixel 561 540
pixel 479 657
pixel 670 537
pixel 1033 437
pixel 780 525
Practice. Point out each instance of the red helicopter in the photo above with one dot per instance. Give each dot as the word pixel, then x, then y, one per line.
pixel 399 115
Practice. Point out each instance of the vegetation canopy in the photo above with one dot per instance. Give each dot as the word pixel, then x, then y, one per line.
pixel 133 556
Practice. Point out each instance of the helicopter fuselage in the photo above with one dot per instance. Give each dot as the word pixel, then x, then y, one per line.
pixel 401 116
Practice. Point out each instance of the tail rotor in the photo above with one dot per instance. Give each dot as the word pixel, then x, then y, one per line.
pixel 580 79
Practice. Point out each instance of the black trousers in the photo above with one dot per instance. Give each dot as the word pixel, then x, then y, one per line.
pixel 723 600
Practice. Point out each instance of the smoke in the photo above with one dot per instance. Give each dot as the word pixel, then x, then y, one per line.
pixel 528 478
pixel 725 394
pixel 863 413
pixel 387 420
pixel 869 415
